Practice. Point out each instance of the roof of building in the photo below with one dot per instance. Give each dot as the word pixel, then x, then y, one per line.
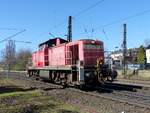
pixel 148 47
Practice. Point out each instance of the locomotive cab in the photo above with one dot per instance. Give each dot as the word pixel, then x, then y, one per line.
pixel 95 71
pixel 83 55
pixel 92 50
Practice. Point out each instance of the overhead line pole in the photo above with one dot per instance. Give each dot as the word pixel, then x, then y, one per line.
pixel 69 36
pixel 124 51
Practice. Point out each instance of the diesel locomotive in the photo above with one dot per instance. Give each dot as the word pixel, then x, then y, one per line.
pixel 71 62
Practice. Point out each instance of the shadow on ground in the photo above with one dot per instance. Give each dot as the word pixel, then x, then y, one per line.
pixel 111 87
pixel 9 89
pixel 122 87
pixel 67 111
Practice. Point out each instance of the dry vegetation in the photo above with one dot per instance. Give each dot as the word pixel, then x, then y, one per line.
pixel 16 99
pixel 22 95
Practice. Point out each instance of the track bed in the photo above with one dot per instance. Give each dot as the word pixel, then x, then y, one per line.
pixel 104 99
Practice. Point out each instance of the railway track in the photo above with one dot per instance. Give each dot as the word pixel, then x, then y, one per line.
pixel 133 81
pixel 131 98
pixel 129 94
pixel 135 97
pixel 122 94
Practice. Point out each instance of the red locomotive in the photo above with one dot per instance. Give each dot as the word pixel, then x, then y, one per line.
pixel 71 62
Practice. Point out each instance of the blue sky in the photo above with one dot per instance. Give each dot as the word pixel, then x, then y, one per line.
pixel 39 17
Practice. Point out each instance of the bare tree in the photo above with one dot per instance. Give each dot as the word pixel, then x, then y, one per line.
pixel 22 58
pixel 8 54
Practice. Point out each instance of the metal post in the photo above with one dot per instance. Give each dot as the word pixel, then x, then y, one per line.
pixel 124 51
pixel 8 69
pixel 69 36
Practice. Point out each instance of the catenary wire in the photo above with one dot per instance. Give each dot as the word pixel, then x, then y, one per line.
pixel 78 14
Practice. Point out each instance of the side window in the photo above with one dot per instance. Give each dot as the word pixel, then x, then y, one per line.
pixel 101 46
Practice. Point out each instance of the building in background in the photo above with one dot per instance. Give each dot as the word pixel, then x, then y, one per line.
pixel 148 55
pixel 117 57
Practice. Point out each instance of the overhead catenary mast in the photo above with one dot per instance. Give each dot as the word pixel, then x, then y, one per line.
pixel 124 46
pixel 69 36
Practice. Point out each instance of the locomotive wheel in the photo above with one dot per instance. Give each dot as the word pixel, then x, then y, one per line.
pixel 28 75
pixel 104 79
pixel 114 74
pixel 53 77
pixel 63 80
pixel 110 78
pixel 64 83
pixel 82 86
pixel 100 78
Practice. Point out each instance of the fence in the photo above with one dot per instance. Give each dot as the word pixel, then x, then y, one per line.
pixel 135 74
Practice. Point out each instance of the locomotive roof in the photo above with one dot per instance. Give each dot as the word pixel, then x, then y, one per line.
pixel 50 42
pixel 89 40
pixel 86 40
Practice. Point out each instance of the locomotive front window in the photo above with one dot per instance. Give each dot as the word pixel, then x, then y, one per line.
pixel 92 46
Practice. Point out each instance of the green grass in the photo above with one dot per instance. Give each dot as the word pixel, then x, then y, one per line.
pixel 31 101
pixel 9 81
pixel 21 94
